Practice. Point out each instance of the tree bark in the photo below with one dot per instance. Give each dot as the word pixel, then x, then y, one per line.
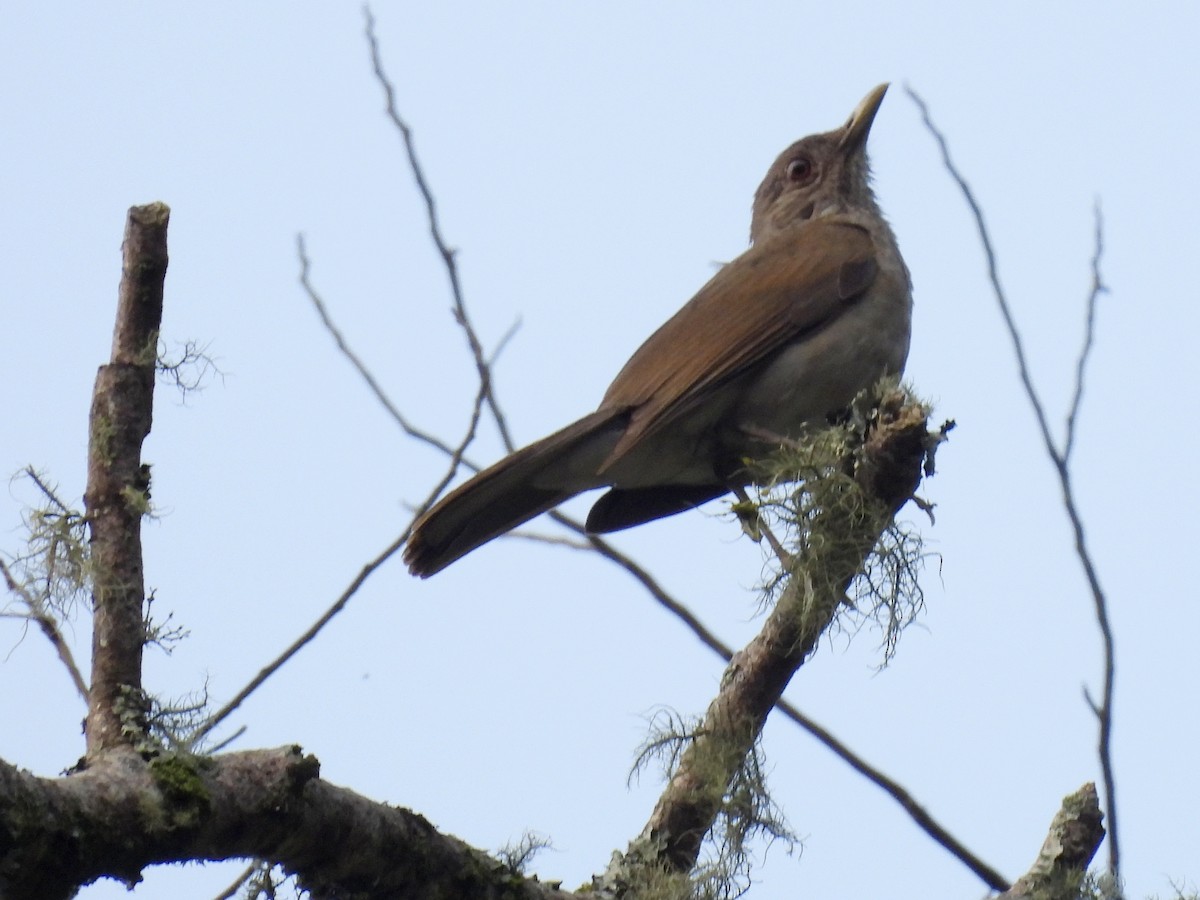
pixel 118 487
pixel 123 814
pixel 887 470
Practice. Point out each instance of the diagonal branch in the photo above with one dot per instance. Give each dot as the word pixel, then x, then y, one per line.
pixel 49 628
pixel 299 643
pixel 890 468
pixel 355 360
pixel 1061 461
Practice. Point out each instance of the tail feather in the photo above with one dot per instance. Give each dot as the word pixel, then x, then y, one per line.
pixel 620 509
pixel 507 495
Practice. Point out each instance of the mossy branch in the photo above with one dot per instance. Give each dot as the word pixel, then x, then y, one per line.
pixel 118 482
pixel 854 478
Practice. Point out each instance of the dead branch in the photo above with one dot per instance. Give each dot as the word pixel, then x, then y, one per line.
pixel 1074 837
pixel 118 487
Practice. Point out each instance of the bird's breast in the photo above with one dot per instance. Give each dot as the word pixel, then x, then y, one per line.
pixel 821 371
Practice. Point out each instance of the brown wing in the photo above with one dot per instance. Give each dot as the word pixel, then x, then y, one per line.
pixel 757 304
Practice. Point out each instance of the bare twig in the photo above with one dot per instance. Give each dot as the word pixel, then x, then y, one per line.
pixel 1061 460
pixel 47 490
pixel 435 232
pixel 745 506
pixel 553 540
pixel 1089 333
pixel 1074 837
pixel 455 453
pixel 230 892
pixel 355 360
pixel 926 822
pixel 272 667
pixel 49 627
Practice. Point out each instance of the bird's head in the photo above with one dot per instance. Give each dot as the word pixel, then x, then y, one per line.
pixel 819 175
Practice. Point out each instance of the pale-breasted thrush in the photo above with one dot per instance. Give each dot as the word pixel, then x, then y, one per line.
pixel 788 333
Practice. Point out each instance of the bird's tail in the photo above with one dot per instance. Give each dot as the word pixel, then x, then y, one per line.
pixel 517 488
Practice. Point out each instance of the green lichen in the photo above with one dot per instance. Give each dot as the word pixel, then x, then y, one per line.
pixel 103 431
pixel 148 355
pixel 180 778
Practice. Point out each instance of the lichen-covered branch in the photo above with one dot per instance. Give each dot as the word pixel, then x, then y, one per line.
pixel 118 483
pixel 123 814
pixel 1074 837
pixel 888 469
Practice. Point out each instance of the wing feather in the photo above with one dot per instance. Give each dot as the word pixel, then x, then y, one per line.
pixel 776 291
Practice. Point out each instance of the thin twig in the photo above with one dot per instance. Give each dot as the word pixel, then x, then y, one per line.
pixel 918 813
pixel 49 628
pixel 232 890
pixel 1103 710
pixel 271 668
pixel 355 360
pixel 435 232
pixel 786 560
pixel 1089 334
pixel 455 453
pixel 554 540
pixel 46 490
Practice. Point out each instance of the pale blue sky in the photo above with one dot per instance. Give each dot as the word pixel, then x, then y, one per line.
pixel 592 164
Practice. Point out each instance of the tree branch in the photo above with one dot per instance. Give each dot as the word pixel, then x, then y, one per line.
pixel 1089 334
pixel 118 488
pixel 299 643
pixel 1074 837
pixel 435 232
pixel 49 628
pixel 124 814
pixel 890 469
pixel 1061 461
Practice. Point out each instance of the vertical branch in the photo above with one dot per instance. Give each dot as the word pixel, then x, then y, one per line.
pixel 118 483
pixel 1062 466
pixel 482 368
pixel 1089 335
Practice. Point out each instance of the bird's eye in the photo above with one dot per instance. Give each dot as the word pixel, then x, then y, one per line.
pixel 800 170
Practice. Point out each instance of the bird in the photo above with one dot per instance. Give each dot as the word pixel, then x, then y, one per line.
pixel 817 309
